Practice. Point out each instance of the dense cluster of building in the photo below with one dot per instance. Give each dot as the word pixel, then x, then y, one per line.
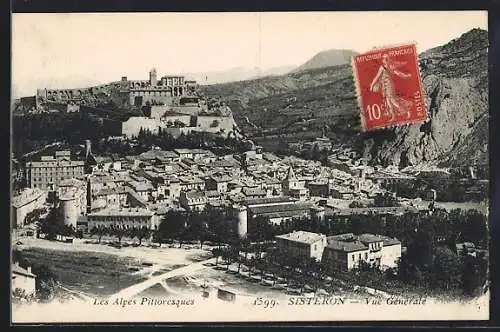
pixel 92 190
pixel 137 190
pixel 133 190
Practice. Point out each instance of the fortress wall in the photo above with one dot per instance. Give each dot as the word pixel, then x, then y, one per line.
pixel 153 97
pixel 215 124
pixel 158 111
pixel 186 119
pixel 121 99
pixel 190 110
pixel 133 125
pixel 62 95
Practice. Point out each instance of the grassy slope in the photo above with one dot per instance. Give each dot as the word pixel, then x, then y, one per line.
pixel 87 271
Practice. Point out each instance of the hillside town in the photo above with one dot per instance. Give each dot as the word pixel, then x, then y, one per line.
pixel 339 213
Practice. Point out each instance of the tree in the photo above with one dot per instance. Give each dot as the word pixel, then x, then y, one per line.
pixel 262 264
pixel 19 295
pixel 262 229
pixel 67 230
pixel 131 232
pixel 198 229
pixel 237 248
pixel 252 263
pixel 100 231
pixel 228 256
pixel 179 124
pixel 420 249
pixel 172 225
pixel 183 233
pixel 46 282
pixel 218 226
pixel 142 233
pixel 217 252
pixel 245 246
pixel 50 225
pixel 33 216
pixel 474 274
pixel 356 204
pixel 447 268
pixel 293 264
pixel 315 152
pixel 118 232
pixel 386 199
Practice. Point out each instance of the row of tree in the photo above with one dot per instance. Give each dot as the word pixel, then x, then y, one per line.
pixel 216 224
pixel 211 224
pixel 430 240
pixel 270 264
pixel 165 141
pixel 448 273
pixel 140 233
pixel 52 227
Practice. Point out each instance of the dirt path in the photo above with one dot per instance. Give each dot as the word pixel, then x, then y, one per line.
pixel 162 256
pixel 129 292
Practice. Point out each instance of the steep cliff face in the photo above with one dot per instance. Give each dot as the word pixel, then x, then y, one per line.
pixel 455 77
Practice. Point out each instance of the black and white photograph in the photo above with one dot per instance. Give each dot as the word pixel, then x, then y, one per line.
pixel 252 166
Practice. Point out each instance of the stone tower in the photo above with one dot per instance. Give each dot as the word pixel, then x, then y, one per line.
pixel 318 213
pixel 241 220
pixel 88 148
pixel 290 181
pixel 152 77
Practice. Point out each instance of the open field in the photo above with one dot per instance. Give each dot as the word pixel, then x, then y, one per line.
pixel 88 272
pixel 159 256
pixel 101 270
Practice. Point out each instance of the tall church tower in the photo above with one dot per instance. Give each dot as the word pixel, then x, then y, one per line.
pixel 152 77
pixel 290 181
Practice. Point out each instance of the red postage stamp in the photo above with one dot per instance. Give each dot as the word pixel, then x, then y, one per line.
pixel 389 87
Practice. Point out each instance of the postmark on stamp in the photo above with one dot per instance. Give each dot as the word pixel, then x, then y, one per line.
pixel 389 87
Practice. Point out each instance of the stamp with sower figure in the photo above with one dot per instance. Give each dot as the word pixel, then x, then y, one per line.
pixel 389 87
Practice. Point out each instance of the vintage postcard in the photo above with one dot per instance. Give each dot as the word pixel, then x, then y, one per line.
pixel 249 167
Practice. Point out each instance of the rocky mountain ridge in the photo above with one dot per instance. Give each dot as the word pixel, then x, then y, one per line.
pixel 327 58
pixel 455 79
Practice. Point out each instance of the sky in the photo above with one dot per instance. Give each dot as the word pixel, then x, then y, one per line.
pixel 67 50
